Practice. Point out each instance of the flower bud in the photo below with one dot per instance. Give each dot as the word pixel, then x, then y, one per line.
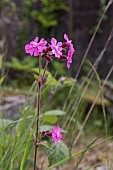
pixel 63 57
pixel 48 58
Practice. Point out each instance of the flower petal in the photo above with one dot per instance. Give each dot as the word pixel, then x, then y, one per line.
pixel 59 44
pixel 54 140
pixel 71 50
pixel 34 48
pixel 36 53
pixel 36 39
pixel 59 140
pixel 66 37
pixel 58 130
pixel 53 41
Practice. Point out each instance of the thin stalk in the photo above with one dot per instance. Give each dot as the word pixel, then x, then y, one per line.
pixel 38 115
pixel 45 68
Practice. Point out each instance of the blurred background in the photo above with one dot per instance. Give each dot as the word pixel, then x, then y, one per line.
pixel 22 20
pixel 77 91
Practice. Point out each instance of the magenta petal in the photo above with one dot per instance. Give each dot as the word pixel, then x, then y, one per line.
pixel 31 51
pixel 53 41
pixel 36 39
pixel 40 48
pixel 54 129
pixel 34 48
pixel 68 65
pixel 56 47
pixel 42 39
pixel 54 140
pixel 36 53
pixel 27 46
pixel 59 44
pixel 60 49
pixel 53 132
pixel 56 134
pixel 71 50
pixel 27 50
pixel 43 42
pixel 57 54
pixel 59 130
pixel 66 37
pixel 59 140
pixel 53 135
pixel 60 136
pixel 60 53
pixel 53 51
pixel 52 47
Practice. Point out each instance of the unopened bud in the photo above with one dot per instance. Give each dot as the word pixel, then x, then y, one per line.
pixel 48 58
pixel 48 49
pixel 64 45
pixel 63 57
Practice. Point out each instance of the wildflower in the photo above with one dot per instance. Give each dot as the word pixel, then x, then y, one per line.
pixel 56 134
pixel 35 48
pixel 56 47
pixel 71 50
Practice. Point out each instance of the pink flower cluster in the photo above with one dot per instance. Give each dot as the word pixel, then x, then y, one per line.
pixel 55 134
pixel 55 49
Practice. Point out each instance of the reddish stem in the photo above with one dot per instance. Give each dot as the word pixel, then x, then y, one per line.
pixel 38 116
pixel 37 126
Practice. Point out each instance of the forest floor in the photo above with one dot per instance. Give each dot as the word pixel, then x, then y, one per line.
pixel 99 157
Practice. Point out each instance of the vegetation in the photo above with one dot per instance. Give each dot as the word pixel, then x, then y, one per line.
pixel 82 107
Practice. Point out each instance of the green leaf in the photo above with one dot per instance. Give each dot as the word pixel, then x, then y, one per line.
pixel 26 65
pixel 46 138
pixel 59 152
pixel 45 127
pixel 24 128
pixel 54 112
pixel 51 81
pixel 36 70
pixel 25 153
pixel 2 79
pixel 50 119
pixel 5 155
pixel 48 21
pixel 5 122
pixel 36 76
pixel 69 81
pixel 45 144
pixel 1 60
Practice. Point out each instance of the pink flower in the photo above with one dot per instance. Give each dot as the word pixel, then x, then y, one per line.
pixel 56 47
pixel 35 48
pixel 56 134
pixel 71 50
